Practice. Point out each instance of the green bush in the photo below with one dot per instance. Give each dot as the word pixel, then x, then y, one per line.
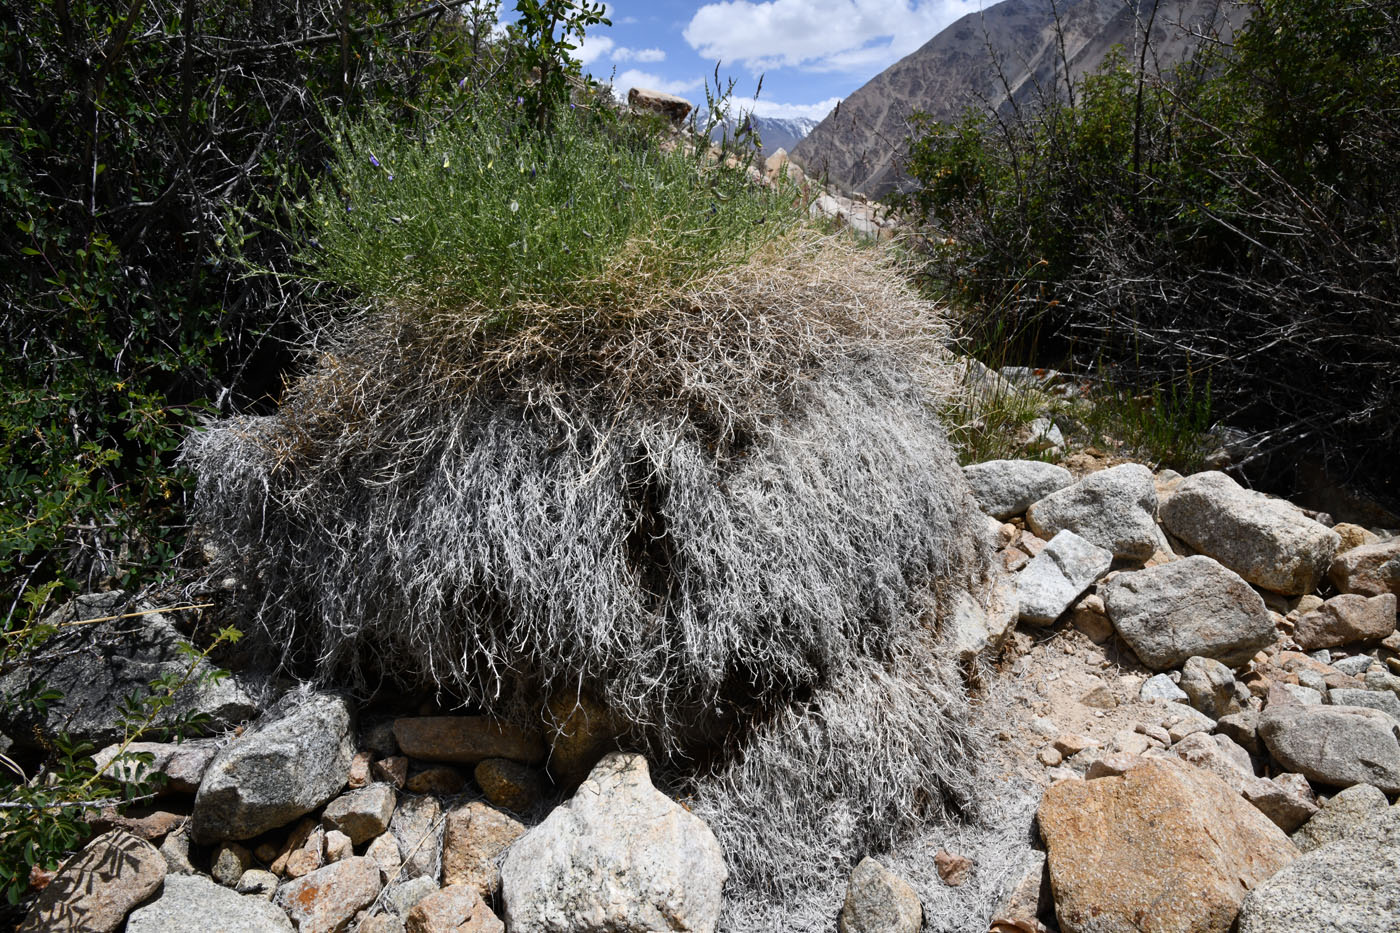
pixel 1232 221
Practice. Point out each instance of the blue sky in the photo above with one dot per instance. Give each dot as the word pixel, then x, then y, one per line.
pixel 811 52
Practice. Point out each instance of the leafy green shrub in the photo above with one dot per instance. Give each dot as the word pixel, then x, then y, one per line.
pixel 1234 220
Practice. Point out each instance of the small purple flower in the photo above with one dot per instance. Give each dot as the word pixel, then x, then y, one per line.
pixel 463 83
pixel 520 102
pixel 391 176
pixel 373 161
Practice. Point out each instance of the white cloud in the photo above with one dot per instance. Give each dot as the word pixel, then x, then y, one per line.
pixel 593 48
pixel 821 35
pixel 645 56
pixel 633 78
pixel 768 108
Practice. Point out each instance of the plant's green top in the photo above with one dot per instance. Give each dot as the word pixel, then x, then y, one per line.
pixel 479 220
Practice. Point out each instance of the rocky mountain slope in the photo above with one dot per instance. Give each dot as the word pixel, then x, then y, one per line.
pixel 1008 51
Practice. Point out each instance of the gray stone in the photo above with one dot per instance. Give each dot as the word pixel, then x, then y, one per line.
pixel 1004 488
pixel 292 761
pixel 1383 700
pixel 1308 696
pixel 1346 619
pixel 230 861
pixel 182 763
pixel 1349 812
pixel 417 826
pixel 400 898
pixel 1335 745
pixel 1354 666
pixel 979 627
pixel 1348 886
pixel 362 814
pixel 1181 720
pixel 1287 799
pixel 175 849
pixel 327 899
pixel 1114 508
pixel 1210 686
pixel 1043 435
pixel 1218 755
pixel 1160 687
pixel 1266 541
pixel 96 888
pixel 1057 576
pixel 1192 606
pixel 92 665
pixel 879 901
pixel 258 881
pixel 1243 729
pixel 190 902
pixel 618 857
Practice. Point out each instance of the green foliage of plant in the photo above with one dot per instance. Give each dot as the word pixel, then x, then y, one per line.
pixel 1232 222
pixel 479 219
pixel 137 142
pixel 545 33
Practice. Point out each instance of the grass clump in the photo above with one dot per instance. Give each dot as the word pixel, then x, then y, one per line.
pixel 689 466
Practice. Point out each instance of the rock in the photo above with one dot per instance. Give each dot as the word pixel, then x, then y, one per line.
pixel 580 731
pixel 1383 700
pixel 668 105
pixel 978 628
pixel 1266 541
pixel 879 901
pixel 1100 697
pixel 1072 744
pixel 1307 696
pixel 1161 687
pixel 1243 729
pixel 292 761
pixel 1286 799
pixel 1050 757
pixel 1165 847
pixel 296 841
pixel 1192 606
pixel 1347 813
pixel 510 785
pixel 338 846
pixel 475 837
pixel 1029 897
pixel 385 852
pixel 403 897
pixel 230 861
pixel 93 665
pixel 619 857
pixel 1090 617
pixel 359 769
pixel 1114 765
pixel 1043 435
pixel 1004 488
pixel 391 770
pixel 1348 886
pixel 259 882
pixel 361 814
pixel 175 850
pixel 327 899
pixel 1370 570
pixel 1354 666
pixel 441 780
pixel 381 923
pixel 190 902
pixel 183 763
pixel 952 868
pixel 151 826
pixel 455 909
pixel 417 825
pixel 96 888
pixel 1218 755
pixel 1353 536
pixel 1210 686
pixel 1115 509
pixel 1345 619
pixel 1181 720
pixel 309 857
pixel 1057 576
pixel 467 739
pixel 1335 745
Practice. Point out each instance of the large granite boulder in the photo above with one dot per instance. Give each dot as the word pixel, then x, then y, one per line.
pixel 1335 745
pixel 1369 570
pixel 1351 885
pixel 95 665
pixel 293 760
pixel 1114 508
pixel 192 902
pixel 1164 847
pixel 1186 608
pixel 618 857
pixel 95 889
pixel 1269 542
pixel 1004 488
